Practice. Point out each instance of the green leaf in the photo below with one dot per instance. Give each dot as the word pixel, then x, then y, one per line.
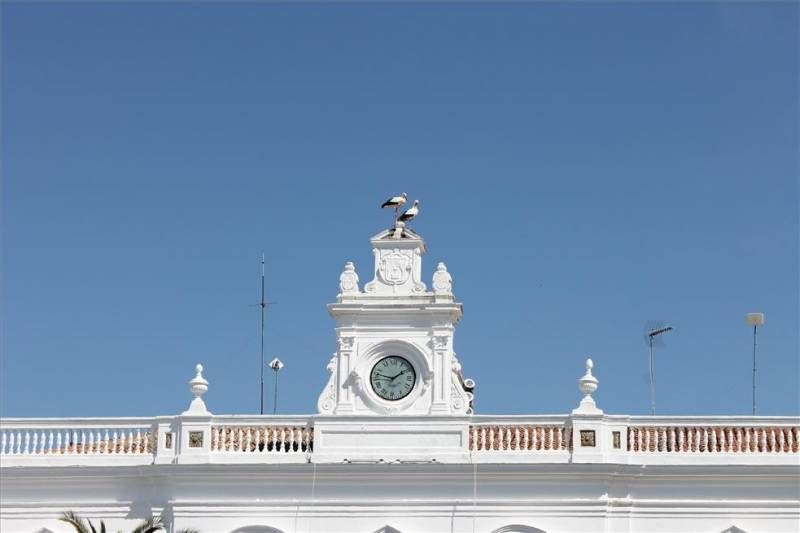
pixel 71 518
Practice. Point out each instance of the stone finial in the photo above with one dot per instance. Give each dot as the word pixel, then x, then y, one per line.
pixel 348 280
pixel 442 281
pixel 587 384
pixel 199 386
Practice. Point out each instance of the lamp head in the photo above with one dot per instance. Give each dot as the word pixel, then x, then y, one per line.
pixel 755 319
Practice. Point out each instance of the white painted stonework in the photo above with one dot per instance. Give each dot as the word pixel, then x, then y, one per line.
pixel 399 450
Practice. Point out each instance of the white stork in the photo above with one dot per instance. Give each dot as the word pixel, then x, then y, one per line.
pixel 410 213
pixel 395 202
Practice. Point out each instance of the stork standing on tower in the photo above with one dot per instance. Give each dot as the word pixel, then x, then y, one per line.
pixel 395 202
pixel 409 213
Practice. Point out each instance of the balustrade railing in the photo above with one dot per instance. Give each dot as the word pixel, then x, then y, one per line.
pixel 509 438
pixel 259 438
pixel 502 435
pixel 713 439
pixel 78 437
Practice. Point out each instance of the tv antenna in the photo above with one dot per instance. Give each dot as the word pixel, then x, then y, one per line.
pixel 650 335
pixel 263 305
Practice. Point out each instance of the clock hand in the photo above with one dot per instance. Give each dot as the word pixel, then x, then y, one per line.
pixel 398 375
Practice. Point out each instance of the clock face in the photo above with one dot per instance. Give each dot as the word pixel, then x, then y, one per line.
pixel 392 378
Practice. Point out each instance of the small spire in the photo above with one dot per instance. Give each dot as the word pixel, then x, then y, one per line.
pixel 587 384
pixel 198 385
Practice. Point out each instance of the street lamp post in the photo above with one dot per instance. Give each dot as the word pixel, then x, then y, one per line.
pixel 755 320
pixel 276 364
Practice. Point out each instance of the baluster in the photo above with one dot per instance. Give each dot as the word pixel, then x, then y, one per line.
pixel 515 437
pixel 26 450
pixel 490 439
pixel 35 449
pixel 214 438
pixel 680 439
pixel 789 440
pixel 11 442
pixel 639 438
pixel 59 443
pixel 738 440
pixel 672 438
pixel 746 447
pixel 762 440
pixel 3 441
pixel 781 441
pixel 714 439
pixel 92 449
pixel 646 439
pixel 728 439
pixel 772 439
pixel 247 439
pixel 662 439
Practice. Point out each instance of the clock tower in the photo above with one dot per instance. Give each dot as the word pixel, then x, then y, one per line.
pixel 394 338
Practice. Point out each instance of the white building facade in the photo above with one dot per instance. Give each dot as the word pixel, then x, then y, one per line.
pixel 395 447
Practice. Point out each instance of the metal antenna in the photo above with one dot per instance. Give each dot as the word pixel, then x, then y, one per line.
pixel 755 320
pixel 650 336
pixel 263 306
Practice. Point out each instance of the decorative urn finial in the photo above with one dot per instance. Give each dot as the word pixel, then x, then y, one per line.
pixel 348 280
pixel 442 281
pixel 587 384
pixel 199 386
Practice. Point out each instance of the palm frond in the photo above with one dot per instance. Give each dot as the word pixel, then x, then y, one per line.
pixel 150 525
pixel 71 518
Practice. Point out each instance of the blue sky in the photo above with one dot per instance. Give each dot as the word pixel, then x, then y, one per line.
pixel 583 170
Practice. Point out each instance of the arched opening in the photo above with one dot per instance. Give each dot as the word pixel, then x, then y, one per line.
pixel 256 529
pixel 517 528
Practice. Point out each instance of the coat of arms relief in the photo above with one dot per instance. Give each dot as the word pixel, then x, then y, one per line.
pixel 395 268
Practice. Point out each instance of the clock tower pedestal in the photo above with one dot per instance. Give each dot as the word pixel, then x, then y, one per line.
pixel 395 322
